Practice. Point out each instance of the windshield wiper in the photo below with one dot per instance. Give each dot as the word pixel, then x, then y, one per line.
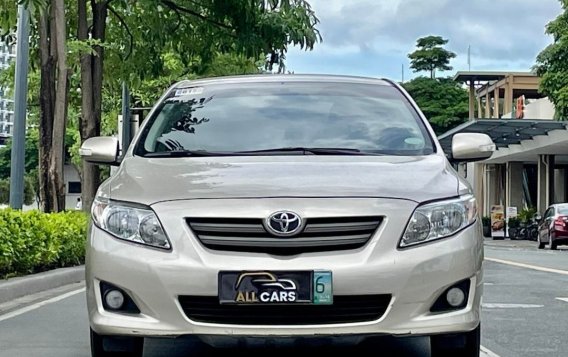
pixel 275 151
pixel 309 150
pixel 186 153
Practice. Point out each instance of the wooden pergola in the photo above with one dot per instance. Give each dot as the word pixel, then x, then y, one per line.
pixel 493 93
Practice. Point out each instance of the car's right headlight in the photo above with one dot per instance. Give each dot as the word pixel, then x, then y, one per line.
pixel 130 222
pixel 438 220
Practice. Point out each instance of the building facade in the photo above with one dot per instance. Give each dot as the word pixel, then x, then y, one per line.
pixel 530 167
pixel 7 54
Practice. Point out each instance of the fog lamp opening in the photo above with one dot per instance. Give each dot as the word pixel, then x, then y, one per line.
pixel 114 299
pixel 455 297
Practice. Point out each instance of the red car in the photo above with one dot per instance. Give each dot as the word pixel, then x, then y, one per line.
pixel 553 227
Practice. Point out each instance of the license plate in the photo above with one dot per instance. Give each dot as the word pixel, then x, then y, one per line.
pixel 276 287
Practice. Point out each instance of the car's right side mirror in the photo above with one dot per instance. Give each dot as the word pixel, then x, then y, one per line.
pixel 469 147
pixel 100 150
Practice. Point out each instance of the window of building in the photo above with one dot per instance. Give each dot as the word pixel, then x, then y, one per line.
pixel 74 187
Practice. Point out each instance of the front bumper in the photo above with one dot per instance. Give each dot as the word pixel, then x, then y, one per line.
pixel 415 277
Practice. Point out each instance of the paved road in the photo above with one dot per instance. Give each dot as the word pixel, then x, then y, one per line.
pixel 60 329
pixel 521 313
pixel 521 317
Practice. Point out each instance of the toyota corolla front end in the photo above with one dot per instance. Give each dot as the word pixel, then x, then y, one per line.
pixel 284 207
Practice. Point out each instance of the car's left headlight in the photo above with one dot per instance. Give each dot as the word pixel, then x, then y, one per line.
pixel 138 224
pixel 439 220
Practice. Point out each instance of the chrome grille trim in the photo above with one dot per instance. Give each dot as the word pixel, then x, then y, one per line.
pixel 249 234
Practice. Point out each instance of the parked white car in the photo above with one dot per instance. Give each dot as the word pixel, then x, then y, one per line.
pixel 285 206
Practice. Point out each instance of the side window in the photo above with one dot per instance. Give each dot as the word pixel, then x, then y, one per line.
pixel 549 213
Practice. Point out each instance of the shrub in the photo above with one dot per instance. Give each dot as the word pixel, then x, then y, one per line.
pixel 527 214
pixel 513 222
pixel 33 241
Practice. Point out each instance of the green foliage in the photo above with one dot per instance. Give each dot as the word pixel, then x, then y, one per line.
pixel 527 214
pixel 30 152
pixel 513 222
pixel 150 44
pixel 552 64
pixel 442 100
pixel 29 191
pixel 32 241
pixel 431 56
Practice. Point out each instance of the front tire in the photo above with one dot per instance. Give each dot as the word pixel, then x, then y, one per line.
pixel 111 346
pixel 465 344
pixel 540 244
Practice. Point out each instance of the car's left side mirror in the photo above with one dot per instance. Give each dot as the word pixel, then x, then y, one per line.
pixel 100 150
pixel 469 147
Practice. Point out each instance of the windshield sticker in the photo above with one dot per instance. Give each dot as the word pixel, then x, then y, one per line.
pixel 188 91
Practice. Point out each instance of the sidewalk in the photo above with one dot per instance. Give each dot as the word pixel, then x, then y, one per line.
pixel 521 244
pixel 508 243
pixel 27 285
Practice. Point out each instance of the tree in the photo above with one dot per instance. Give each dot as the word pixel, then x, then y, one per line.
pixel 431 56
pixel 442 101
pixel 49 38
pixel 29 193
pixel 552 65
pixel 134 42
pixel 196 31
pixel 30 152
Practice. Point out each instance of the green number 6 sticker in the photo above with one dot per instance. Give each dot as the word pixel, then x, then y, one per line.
pixel 323 291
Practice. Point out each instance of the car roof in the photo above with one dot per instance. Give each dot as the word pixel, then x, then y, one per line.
pixel 271 78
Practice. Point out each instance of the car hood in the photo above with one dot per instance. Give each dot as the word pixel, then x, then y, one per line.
pixel 152 180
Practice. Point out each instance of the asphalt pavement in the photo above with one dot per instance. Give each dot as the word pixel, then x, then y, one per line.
pixel 525 310
pixel 525 313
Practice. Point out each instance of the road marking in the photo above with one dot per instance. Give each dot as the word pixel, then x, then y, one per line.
pixel 528 266
pixel 562 299
pixel 489 284
pixel 39 304
pixel 509 306
pixel 488 352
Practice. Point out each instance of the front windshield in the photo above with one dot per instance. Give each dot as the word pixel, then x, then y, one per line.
pixel 230 118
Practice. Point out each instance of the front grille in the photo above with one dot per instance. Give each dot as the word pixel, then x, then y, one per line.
pixel 249 234
pixel 345 309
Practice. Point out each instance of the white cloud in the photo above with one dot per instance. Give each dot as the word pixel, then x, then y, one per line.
pixel 501 33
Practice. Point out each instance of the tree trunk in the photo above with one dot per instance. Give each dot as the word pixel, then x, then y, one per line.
pixel 86 130
pixel 91 90
pixel 59 37
pixel 47 90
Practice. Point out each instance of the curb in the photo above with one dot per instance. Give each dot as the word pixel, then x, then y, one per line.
pixel 17 287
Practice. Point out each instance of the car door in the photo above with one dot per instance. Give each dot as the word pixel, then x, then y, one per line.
pixel 545 224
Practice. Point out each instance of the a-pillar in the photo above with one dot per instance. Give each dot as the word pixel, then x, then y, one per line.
pixel 514 189
pixel 545 189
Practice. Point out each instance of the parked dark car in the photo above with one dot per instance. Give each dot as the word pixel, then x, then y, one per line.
pixel 553 227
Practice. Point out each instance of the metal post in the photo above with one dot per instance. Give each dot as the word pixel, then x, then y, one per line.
pixel 126 137
pixel 20 104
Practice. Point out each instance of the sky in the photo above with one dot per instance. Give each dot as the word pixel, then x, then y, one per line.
pixel 373 37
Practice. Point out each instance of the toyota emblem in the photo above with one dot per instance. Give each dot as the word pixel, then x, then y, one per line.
pixel 284 223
